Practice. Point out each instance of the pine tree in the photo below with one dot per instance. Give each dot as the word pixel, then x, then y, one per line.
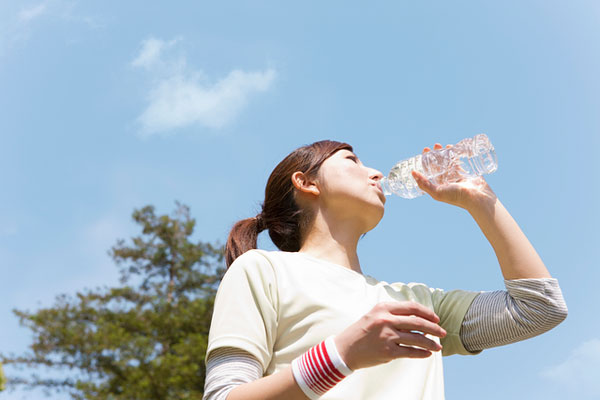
pixel 145 339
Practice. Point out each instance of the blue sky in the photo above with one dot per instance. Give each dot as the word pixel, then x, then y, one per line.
pixel 110 106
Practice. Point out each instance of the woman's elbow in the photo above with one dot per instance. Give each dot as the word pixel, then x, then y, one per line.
pixel 560 312
pixel 554 314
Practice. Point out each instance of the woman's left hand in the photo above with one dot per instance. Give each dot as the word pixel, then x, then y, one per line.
pixel 465 193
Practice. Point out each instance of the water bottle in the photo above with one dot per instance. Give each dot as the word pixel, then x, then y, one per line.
pixel 467 159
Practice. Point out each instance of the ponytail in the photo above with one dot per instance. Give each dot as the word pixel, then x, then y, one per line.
pixel 243 237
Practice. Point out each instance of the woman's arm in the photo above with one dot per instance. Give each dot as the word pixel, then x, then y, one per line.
pixel 277 386
pixel 527 308
pixel 236 374
pixel 533 303
pixel 516 256
pixel 226 368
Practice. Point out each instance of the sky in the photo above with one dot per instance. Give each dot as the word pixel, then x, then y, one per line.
pixel 106 107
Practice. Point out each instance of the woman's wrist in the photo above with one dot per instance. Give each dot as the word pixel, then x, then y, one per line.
pixel 320 369
pixel 482 207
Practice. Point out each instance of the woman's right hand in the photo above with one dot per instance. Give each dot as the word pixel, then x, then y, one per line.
pixel 390 330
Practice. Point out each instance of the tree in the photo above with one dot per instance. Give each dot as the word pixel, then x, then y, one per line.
pixel 145 339
pixel 2 379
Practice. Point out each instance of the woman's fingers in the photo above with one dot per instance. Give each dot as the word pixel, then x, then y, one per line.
pixel 411 352
pixel 410 308
pixel 412 316
pixel 436 146
pixel 417 340
pixel 388 331
pixel 422 182
pixel 414 323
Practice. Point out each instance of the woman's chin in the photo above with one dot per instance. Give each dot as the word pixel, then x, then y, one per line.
pixel 374 216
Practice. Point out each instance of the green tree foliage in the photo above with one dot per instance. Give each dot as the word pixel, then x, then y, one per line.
pixel 2 379
pixel 145 339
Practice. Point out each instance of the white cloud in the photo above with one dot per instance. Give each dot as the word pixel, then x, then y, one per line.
pixel 17 27
pixel 58 10
pixel 31 13
pixel 150 53
pixel 580 370
pixel 181 100
pixel 181 96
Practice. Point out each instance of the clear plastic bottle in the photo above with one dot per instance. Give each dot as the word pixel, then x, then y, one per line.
pixel 467 159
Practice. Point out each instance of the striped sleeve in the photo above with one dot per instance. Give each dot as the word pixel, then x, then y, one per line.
pixel 528 307
pixel 226 368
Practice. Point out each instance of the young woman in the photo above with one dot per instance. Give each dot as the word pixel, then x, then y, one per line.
pixel 305 322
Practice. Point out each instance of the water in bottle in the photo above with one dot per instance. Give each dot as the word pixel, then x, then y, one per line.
pixel 467 159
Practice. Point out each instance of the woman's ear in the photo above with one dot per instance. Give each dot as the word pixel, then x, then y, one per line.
pixel 303 184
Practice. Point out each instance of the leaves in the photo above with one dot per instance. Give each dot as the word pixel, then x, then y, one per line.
pixel 2 379
pixel 145 339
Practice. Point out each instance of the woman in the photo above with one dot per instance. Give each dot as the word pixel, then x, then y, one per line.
pixel 304 322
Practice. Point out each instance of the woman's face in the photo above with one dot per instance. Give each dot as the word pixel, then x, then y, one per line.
pixel 349 188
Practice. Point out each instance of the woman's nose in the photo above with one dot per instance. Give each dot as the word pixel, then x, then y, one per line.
pixel 375 175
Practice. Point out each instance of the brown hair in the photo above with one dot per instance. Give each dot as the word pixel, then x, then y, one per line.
pixel 280 214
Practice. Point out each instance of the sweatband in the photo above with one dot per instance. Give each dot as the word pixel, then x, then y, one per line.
pixel 319 369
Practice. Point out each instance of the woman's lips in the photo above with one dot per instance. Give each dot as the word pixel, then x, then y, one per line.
pixel 380 190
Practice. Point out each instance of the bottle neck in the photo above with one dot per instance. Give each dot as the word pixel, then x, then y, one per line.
pixel 385 186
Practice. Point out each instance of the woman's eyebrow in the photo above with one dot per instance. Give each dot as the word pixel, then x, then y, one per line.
pixel 355 156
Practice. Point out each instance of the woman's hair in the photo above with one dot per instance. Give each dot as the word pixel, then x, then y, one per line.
pixel 281 214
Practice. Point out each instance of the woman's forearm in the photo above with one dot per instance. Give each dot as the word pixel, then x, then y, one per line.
pixel 277 386
pixel 516 256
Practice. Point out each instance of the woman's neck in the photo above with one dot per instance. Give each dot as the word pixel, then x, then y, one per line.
pixel 335 243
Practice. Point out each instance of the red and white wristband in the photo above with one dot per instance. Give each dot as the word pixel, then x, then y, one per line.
pixel 319 369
